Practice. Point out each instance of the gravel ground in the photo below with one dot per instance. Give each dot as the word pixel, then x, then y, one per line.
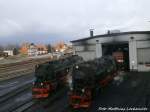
pixel 131 93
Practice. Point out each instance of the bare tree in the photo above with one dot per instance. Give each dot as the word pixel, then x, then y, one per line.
pixel 49 48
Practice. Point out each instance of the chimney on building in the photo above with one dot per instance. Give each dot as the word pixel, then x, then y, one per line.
pixel 91 32
pixel 108 32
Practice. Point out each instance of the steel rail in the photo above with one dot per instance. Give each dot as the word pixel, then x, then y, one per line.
pixel 14 92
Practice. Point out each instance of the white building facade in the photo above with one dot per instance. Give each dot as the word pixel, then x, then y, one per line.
pixel 32 50
pixel 9 52
pixel 137 42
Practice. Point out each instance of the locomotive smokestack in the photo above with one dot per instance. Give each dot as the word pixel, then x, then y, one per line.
pixel 91 32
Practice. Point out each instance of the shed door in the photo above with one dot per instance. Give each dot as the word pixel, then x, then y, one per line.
pixel 143 58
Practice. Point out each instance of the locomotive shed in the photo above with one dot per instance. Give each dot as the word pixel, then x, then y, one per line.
pixel 134 44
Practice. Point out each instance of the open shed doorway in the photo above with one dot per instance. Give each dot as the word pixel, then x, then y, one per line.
pixel 110 48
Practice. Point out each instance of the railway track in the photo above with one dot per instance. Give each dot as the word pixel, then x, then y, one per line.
pixel 10 75
pixel 25 62
pixel 16 99
pixel 28 106
pixel 24 107
pixel 13 66
pixel 50 103
pixel 18 69
pixel 15 92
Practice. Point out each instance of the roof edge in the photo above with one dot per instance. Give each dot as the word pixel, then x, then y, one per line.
pixel 112 34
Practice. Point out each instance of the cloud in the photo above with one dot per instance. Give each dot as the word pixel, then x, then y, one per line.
pixel 9 27
pixel 51 20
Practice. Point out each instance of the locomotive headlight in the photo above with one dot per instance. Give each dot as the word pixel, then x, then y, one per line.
pixel 71 88
pixel 41 84
pixel 83 90
pixel 77 67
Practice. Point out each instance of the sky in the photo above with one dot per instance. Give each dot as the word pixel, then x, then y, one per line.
pixel 50 21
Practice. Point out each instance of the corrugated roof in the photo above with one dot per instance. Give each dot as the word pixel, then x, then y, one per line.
pixel 112 34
